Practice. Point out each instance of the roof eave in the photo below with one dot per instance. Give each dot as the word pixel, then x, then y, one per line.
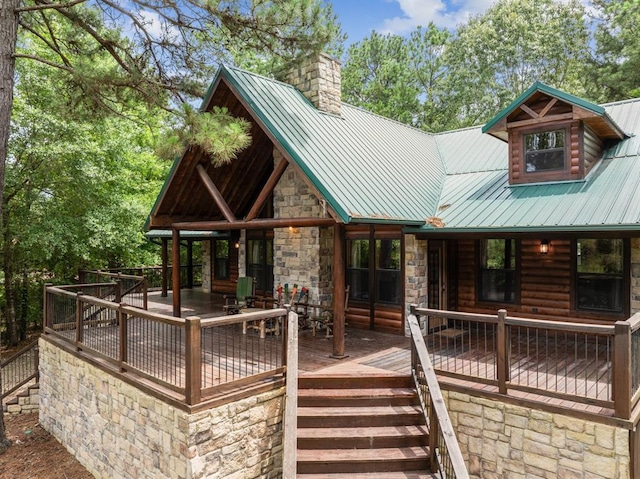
pixel 599 228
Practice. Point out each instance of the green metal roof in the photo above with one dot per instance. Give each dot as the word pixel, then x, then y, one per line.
pixel 541 87
pixel 481 199
pixel 371 169
pixel 367 167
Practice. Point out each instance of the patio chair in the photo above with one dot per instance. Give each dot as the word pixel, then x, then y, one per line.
pixel 322 316
pixel 300 305
pixel 244 297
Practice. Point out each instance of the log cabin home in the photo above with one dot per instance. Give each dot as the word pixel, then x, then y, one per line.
pixel 537 212
pixel 519 242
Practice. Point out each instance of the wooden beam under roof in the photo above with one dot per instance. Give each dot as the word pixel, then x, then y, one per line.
pixel 275 176
pixel 215 194
pixel 259 223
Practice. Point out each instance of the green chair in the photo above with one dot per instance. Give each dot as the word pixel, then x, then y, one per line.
pixel 244 297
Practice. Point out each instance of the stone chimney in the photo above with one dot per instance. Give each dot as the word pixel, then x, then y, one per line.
pixel 319 80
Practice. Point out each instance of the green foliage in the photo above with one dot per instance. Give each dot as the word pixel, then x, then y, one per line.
pixel 219 134
pixel 78 189
pixel 375 76
pixel 438 80
pixel 498 55
pixel 158 48
pixel 615 66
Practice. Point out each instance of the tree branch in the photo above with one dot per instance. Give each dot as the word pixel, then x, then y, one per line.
pixel 46 6
pixel 42 60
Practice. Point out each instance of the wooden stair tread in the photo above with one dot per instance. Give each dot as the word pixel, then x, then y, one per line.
pixel 357 393
pixel 331 411
pixel 346 381
pixel 358 432
pixel 363 455
pixel 372 475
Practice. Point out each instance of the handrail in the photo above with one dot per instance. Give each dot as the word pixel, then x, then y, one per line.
pixel 525 322
pixel 169 352
pixel 511 352
pixel 22 379
pixel 289 461
pixel 444 451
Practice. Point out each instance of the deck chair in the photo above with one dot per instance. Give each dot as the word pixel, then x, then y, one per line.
pixel 244 297
pixel 300 305
pixel 322 316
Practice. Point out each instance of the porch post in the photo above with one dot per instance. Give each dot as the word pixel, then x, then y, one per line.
pixel 165 267
pixel 190 264
pixel 175 271
pixel 338 290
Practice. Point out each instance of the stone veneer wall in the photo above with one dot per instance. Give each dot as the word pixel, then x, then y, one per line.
pixel 206 266
pixel 415 264
pixel 635 275
pixel 116 430
pixel 500 440
pixel 242 254
pixel 301 256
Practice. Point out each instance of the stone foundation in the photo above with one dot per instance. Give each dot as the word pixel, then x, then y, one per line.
pixel 500 440
pixel 116 430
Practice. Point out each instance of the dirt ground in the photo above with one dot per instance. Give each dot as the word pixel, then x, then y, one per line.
pixel 36 454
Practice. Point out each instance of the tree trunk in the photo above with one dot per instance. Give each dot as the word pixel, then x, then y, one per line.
pixel 8 37
pixel 9 305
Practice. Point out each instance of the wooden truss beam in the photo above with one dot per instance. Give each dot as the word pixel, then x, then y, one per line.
pixel 257 224
pixel 275 176
pixel 215 194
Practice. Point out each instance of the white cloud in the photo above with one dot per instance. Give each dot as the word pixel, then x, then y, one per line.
pixel 153 23
pixel 443 13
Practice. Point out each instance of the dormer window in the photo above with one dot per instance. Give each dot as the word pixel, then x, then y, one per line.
pixel 552 135
pixel 544 151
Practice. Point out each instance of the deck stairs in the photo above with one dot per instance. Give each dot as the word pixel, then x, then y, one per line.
pixel 360 427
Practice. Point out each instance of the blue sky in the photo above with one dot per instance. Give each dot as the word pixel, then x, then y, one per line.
pixel 360 17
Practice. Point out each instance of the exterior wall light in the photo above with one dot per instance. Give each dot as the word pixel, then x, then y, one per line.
pixel 544 246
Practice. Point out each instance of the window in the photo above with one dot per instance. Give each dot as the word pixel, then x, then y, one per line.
pixel 388 271
pixel 221 259
pixel 600 273
pixel 497 270
pixel 358 269
pixel 544 151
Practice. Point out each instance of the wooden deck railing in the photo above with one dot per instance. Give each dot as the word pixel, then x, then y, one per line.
pixel 444 451
pixel 592 363
pixel 193 358
pixel 19 369
pixel 131 289
pixel 152 274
